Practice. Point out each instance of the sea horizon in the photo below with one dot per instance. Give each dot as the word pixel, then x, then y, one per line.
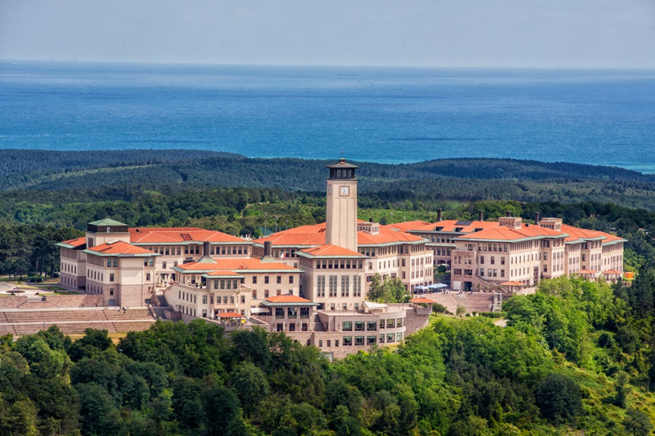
pixel 373 114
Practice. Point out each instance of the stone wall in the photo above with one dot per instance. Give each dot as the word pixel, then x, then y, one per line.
pixel 12 302
pixel 89 300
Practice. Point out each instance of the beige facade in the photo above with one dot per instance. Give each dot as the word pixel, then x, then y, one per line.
pixel 341 206
pixel 484 255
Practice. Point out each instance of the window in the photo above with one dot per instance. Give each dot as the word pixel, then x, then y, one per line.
pixel 280 328
pixel 109 262
pixel 292 327
pixel 254 280
pixel 279 313
pixel 345 286
pixel 391 323
pixel 111 291
pixel 147 277
pixel 111 277
pixel 320 343
pixel 292 312
pixel 347 326
pixel 359 326
pixel 391 337
pixel 279 279
pixel 359 340
pixel 254 294
pixel 204 299
pixel 304 312
pixel 333 286
pixel 290 279
pixel 371 340
pixel 163 265
pixel 265 279
pixel 371 326
pixel 320 286
pixel 347 341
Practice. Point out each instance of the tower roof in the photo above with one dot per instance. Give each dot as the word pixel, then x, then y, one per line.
pixel 107 222
pixel 342 164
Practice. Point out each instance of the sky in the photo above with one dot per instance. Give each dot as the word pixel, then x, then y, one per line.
pixel 433 33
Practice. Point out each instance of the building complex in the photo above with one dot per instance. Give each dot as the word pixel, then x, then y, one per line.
pixel 311 281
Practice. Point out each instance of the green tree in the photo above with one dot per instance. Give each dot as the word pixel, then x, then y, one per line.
pixel 250 385
pixel 637 423
pixel 559 399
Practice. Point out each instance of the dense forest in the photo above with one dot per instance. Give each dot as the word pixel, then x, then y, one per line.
pixel 167 171
pixel 575 358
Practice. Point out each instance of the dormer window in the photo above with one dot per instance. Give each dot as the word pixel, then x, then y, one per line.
pixel 459 229
pixel 438 229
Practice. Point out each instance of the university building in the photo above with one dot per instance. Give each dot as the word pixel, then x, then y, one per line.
pixel 311 281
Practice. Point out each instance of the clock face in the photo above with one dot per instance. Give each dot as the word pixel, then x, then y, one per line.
pixel 345 190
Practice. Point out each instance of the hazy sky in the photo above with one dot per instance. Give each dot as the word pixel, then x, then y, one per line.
pixel 530 33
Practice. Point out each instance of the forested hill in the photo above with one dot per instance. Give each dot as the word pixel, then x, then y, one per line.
pixel 51 170
pixel 24 161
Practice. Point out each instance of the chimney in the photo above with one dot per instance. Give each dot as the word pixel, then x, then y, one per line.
pixel 480 215
pixel 439 214
pixel 508 214
pixel 537 217
pixel 206 248
pixel 267 248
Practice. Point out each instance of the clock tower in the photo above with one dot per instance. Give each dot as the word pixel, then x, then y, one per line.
pixel 341 216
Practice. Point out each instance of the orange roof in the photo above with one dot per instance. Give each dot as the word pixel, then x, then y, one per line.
pixel 407 225
pixel 77 242
pixel 386 236
pixel 171 235
pixel 287 299
pixel 315 235
pixel 236 265
pixel 298 236
pixel 421 300
pixel 585 272
pixel 511 284
pixel 230 315
pixel 331 250
pixel 504 233
pixel 612 271
pixel 223 273
pixel 452 225
pixel 119 248
pixel 578 234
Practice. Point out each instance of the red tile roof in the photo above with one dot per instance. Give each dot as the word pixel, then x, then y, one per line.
pixel 386 236
pixel 331 250
pixel 169 235
pixel 287 299
pixel 407 225
pixel 451 225
pixel 120 248
pixel 504 233
pixel 235 265
pixel 315 235
pixel 578 234
pixel 77 242
pixel 421 300
pixel 230 315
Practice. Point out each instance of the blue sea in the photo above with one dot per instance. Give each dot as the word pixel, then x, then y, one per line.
pixel 391 115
